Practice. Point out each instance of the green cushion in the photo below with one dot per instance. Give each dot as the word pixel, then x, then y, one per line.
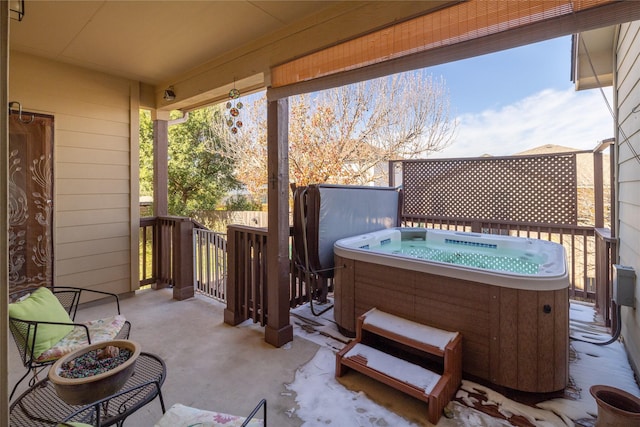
pixel 43 306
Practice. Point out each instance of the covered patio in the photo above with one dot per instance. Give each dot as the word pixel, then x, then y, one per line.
pixel 91 67
pixel 214 366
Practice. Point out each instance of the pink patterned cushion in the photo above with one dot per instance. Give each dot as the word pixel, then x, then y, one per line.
pixel 184 416
pixel 99 330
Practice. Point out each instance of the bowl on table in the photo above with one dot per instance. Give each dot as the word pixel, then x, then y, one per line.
pixel 93 387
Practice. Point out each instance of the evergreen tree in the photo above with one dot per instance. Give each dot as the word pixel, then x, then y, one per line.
pixel 198 177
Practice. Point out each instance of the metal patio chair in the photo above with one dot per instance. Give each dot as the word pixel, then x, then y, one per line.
pixel 28 330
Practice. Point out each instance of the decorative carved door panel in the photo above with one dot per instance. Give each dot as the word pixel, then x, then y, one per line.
pixel 30 200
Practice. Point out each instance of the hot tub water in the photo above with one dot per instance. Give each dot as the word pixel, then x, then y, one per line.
pixel 498 259
pixel 519 256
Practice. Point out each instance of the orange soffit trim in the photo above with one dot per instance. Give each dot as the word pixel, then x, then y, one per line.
pixel 454 24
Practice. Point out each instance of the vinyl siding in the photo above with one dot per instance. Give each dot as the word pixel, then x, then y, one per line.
pixel 94 166
pixel 627 85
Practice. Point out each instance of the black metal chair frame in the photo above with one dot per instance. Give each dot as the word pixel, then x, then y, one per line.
pixel 92 413
pixel 40 405
pixel 24 332
pixel 262 404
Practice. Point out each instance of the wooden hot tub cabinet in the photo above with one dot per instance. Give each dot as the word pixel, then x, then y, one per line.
pixel 515 338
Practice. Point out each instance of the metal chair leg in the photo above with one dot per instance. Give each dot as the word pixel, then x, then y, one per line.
pixel 15 387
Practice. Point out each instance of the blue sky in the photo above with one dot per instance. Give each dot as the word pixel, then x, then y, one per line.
pixel 521 98
pixel 499 79
pixel 518 99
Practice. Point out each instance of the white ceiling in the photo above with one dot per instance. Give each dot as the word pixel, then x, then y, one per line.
pixel 149 41
pixel 201 48
pixel 204 47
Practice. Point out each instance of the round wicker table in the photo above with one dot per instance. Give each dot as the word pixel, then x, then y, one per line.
pixel 41 406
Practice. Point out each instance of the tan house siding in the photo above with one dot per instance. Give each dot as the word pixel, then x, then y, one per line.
pixel 95 168
pixel 627 85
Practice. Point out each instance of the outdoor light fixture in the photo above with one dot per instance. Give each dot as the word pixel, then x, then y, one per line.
pixel 169 94
pixel 16 9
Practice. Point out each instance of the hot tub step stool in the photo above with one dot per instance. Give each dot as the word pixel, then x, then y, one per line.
pixel 376 329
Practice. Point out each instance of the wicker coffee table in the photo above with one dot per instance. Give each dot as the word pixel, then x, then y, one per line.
pixel 41 406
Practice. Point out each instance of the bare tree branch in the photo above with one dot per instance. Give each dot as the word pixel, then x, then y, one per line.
pixel 345 135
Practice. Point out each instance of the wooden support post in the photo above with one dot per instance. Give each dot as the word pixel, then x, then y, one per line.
pixel 162 248
pixel 183 259
pixel 598 190
pixel 233 313
pixel 598 182
pixel 392 173
pixel 278 330
pixel 160 163
pixel 612 196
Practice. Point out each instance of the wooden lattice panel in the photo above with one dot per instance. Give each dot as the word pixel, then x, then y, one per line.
pixel 535 189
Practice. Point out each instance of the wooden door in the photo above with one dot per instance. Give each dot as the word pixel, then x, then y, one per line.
pixel 30 200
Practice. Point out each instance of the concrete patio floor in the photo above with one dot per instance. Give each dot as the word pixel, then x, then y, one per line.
pixel 214 366
pixel 210 365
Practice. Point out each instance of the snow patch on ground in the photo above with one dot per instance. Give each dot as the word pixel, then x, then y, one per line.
pixel 322 400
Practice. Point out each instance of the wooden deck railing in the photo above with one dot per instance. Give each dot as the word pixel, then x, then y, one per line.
pixel 172 253
pixel 236 271
pixel 247 275
pixel 147 251
pixel 166 254
pixel 210 263
pixel 211 266
pixel 605 252
pixel 588 254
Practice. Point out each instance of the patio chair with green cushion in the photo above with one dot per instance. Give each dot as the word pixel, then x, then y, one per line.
pixel 42 323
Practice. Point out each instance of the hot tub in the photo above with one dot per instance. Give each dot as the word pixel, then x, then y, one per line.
pixel 508 296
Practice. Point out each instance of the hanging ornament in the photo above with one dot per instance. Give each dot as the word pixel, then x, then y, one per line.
pixel 234 111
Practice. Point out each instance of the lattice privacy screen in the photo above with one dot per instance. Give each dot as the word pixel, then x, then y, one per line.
pixel 540 189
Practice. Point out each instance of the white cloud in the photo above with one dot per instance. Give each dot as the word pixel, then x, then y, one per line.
pixel 568 118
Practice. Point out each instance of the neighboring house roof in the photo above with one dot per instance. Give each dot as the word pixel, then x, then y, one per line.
pixel 546 149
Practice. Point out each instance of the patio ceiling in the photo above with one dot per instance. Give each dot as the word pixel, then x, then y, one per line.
pixel 199 47
pixel 204 48
pixel 150 41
